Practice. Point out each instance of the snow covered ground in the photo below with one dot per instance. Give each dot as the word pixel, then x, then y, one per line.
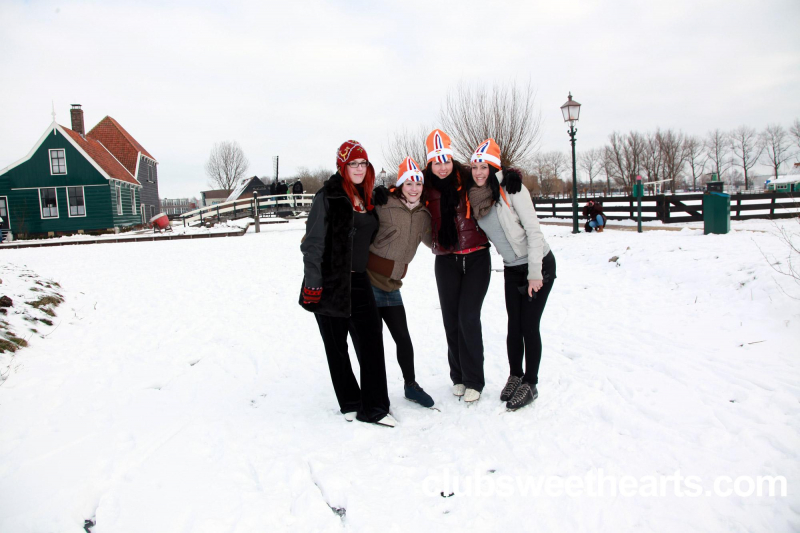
pixel 181 388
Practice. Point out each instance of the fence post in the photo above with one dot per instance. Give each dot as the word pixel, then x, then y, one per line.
pixel 772 204
pixel 256 216
pixel 554 208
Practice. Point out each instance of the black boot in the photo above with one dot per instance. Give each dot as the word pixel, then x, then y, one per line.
pixel 524 395
pixel 511 387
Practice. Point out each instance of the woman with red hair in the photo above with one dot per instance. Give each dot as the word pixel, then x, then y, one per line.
pixel 340 228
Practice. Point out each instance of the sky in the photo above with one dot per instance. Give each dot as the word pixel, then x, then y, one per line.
pixel 296 79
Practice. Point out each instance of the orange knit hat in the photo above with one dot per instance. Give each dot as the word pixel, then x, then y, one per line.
pixel 438 147
pixel 409 171
pixel 487 152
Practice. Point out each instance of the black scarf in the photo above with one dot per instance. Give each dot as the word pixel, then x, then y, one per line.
pixel 448 234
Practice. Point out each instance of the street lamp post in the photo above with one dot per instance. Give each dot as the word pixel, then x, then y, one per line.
pixel 571 110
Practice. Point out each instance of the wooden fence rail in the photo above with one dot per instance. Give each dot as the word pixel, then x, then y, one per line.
pixel 269 206
pixel 669 208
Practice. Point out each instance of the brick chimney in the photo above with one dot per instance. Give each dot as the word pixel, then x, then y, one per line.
pixel 77 118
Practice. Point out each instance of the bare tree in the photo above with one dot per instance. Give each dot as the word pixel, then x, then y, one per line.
pixel 507 113
pixel 546 167
pixel 746 150
pixel 652 157
pixel 736 178
pixel 226 165
pixel 696 158
pixel 591 161
pixel 623 157
pixel 775 142
pixel 673 155
pixel 794 131
pixel 405 143
pixel 718 151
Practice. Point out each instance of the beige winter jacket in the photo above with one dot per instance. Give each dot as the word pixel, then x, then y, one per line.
pixel 395 245
pixel 521 227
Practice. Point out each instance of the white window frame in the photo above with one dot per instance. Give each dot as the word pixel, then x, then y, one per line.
pixel 41 209
pixel 69 207
pixel 50 153
pixel 133 200
pixel 119 199
pixel 6 217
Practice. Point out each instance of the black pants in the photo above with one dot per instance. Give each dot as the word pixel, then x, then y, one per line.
pixel 371 401
pixel 395 318
pixel 462 281
pixel 524 318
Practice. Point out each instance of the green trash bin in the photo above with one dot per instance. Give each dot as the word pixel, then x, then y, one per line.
pixel 716 213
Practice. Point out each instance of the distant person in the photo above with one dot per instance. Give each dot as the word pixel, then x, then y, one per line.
pixel 297 188
pixel 282 190
pixel 272 187
pixel 597 220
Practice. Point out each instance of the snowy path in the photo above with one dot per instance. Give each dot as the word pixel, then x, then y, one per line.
pixel 198 399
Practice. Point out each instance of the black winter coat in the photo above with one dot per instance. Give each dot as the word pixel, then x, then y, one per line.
pixel 328 249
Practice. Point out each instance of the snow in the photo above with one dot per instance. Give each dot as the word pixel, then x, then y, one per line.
pixel 195 397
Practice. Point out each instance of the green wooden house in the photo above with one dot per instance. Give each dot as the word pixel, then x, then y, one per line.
pixel 784 183
pixel 68 183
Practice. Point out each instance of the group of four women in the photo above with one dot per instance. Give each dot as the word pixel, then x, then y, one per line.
pixel 360 240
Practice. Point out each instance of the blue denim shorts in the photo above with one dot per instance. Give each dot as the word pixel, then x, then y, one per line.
pixel 387 299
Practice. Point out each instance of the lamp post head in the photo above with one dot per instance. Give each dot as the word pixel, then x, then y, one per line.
pixel 571 110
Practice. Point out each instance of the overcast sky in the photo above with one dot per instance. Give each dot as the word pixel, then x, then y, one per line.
pixel 297 78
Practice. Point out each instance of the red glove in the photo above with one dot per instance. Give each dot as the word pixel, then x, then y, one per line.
pixel 312 295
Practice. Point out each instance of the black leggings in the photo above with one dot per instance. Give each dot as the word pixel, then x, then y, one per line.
pixel 462 281
pixel 395 318
pixel 524 317
pixel 371 400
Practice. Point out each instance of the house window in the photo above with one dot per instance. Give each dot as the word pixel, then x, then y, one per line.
pixel 3 210
pixel 119 200
pixel 58 162
pixel 77 207
pixel 48 202
pixel 152 211
pixel 133 201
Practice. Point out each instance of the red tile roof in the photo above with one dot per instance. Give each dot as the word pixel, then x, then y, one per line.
pixel 102 157
pixel 119 142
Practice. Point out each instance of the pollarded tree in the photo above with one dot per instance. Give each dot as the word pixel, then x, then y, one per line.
pixel 226 165
pixel 405 143
pixel 507 113
pixel 746 150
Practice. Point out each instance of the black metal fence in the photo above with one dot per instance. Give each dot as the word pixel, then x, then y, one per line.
pixel 672 208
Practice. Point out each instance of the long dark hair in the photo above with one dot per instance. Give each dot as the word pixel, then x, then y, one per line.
pixel 509 174
pixel 452 192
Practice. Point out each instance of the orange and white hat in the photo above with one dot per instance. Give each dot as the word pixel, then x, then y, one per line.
pixel 409 171
pixel 487 152
pixel 438 147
